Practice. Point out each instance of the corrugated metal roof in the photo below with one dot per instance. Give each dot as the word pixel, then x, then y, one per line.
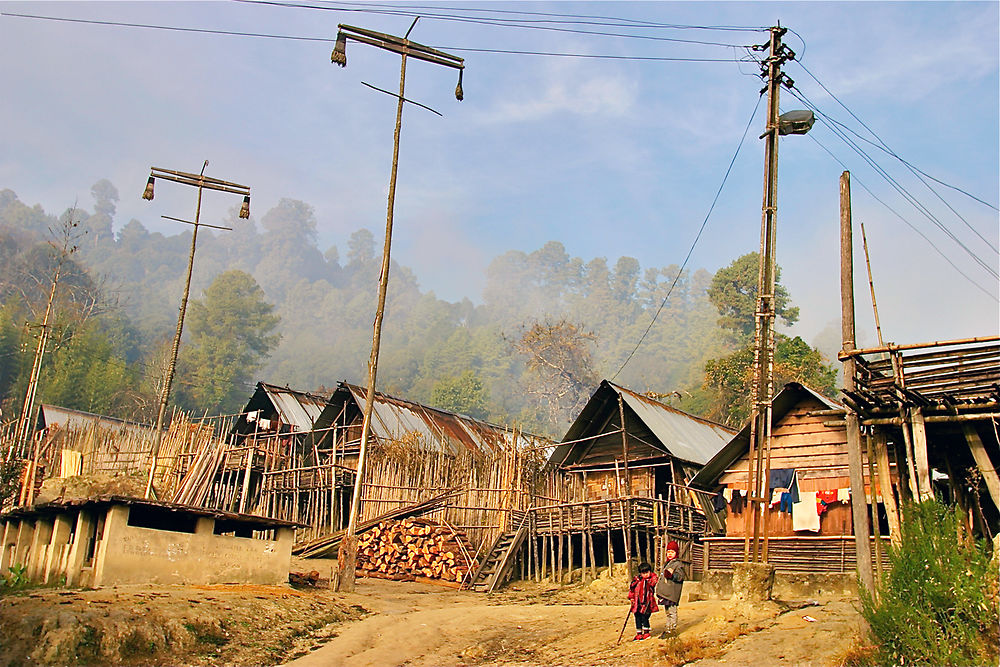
pixel 51 415
pixel 296 408
pixel 687 437
pixel 395 418
pixel 681 435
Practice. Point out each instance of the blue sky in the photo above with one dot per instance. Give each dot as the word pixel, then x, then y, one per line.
pixel 610 157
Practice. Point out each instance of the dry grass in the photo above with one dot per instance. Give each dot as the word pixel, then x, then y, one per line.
pixel 858 653
pixel 682 650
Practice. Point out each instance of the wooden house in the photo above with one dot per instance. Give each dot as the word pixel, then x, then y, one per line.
pixel 616 488
pixel 809 464
pixel 659 446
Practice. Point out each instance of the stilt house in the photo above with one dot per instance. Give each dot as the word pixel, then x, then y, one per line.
pixel 616 486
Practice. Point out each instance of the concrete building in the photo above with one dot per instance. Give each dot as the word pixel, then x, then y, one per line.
pixel 111 540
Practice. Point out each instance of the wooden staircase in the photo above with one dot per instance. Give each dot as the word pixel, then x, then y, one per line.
pixel 499 561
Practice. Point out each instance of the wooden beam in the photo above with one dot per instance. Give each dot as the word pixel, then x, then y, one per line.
pixel 920 454
pixel 983 462
pixel 885 485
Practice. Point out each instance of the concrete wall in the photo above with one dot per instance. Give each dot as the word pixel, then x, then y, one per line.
pixel 54 549
pixel 718 585
pixel 134 555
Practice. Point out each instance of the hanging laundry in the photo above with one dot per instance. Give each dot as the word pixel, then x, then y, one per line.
pixel 718 502
pixel 843 495
pixel 727 494
pixel 785 479
pixel 824 499
pixel 786 503
pixel 804 515
pixel 736 505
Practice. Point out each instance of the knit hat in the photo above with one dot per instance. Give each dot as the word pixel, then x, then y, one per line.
pixel 672 545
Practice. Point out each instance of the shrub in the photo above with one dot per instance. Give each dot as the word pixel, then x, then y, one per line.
pixel 937 601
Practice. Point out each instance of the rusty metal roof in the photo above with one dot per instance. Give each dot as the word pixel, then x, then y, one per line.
pixel 396 418
pixel 67 418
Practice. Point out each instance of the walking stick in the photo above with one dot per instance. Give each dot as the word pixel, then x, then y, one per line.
pixel 624 625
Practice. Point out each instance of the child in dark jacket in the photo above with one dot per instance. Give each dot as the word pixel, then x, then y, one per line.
pixel 642 594
pixel 668 590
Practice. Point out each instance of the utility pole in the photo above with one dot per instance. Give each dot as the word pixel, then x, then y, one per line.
pixel 24 424
pixel 759 461
pixel 859 514
pixel 348 552
pixel 201 182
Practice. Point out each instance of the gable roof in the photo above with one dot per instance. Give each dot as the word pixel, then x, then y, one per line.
pixel 67 418
pixel 298 409
pixel 395 418
pixel 790 396
pixel 680 435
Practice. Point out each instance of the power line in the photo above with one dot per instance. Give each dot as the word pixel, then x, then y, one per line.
pixel 426 11
pixel 704 222
pixel 885 147
pixel 903 192
pixel 905 221
pixel 237 33
pixel 503 23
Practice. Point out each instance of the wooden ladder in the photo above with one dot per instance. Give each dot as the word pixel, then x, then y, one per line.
pixel 499 561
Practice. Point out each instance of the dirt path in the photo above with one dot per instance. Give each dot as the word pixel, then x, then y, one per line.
pixel 421 625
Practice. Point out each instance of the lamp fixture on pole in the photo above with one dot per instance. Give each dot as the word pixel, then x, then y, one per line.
pixel 203 183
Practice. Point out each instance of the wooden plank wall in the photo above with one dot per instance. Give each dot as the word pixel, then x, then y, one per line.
pixel 818 453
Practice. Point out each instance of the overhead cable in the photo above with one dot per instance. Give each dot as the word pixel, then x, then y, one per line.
pixel 902 218
pixel 704 222
pixel 903 192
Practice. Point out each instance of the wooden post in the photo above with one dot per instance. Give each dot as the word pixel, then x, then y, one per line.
pixel 862 544
pixel 986 468
pixel 876 530
pixel 924 490
pixel 621 416
pixel 590 547
pixel 885 484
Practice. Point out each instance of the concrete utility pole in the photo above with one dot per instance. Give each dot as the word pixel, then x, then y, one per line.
pixel 759 463
pixel 201 182
pixel 348 552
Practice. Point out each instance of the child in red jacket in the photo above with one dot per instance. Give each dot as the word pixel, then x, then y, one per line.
pixel 643 596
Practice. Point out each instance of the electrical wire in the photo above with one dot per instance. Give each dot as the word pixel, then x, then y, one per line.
pixel 704 222
pixel 905 221
pixel 503 23
pixel 902 191
pixel 431 12
pixel 236 33
pixel 916 172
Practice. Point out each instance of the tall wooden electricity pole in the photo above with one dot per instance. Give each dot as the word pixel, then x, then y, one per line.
pixel 348 552
pixel 203 183
pixel 859 514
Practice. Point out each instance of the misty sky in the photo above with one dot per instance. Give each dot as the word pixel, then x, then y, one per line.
pixel 610 157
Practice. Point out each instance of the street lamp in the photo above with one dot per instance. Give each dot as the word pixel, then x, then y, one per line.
pixel 201 182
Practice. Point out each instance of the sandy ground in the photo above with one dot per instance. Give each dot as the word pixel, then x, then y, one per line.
pixel 386 623
pixel 414 624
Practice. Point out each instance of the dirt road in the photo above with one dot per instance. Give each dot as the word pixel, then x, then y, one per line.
pixel 421 625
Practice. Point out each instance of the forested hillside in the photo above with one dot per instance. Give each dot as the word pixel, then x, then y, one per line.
pixel 292 313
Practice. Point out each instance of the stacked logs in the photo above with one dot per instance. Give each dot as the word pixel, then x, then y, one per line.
pixel 413 549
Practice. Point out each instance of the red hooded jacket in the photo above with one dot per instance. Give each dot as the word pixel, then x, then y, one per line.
pixel 642 594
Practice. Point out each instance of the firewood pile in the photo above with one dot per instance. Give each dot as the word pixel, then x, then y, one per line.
pixel 412 549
